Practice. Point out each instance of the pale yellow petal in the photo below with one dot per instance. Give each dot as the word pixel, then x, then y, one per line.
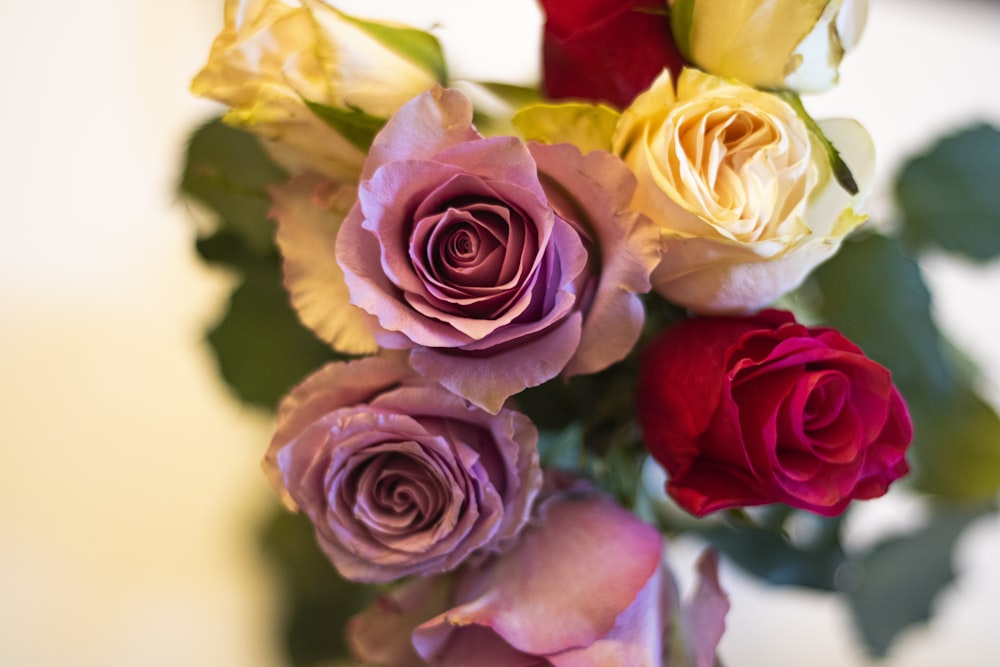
pixel 825 214
pixel 309 211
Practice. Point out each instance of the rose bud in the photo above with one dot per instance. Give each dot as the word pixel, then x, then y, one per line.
pixel 398 475
pixel 790 44
pixel 605 50
pixel 753 410
pixel 273 56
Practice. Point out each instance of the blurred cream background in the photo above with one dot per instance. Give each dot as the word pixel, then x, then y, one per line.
pixel 129 486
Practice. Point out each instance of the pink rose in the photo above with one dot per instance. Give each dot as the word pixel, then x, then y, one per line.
pixel 498 264
pixel 583 586
pixel 753 410
pixel 605 50
pixel 398 475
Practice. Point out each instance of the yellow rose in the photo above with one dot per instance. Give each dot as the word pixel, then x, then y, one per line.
pixel 794 44
pixel 742 192
pixel 274 56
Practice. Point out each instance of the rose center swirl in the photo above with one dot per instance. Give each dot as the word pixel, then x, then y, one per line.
pixel 398 495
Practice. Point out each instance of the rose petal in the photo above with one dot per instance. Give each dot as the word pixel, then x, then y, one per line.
pixel 490 378
pixel 625 247
pixel 381 633
pixel 705 613
pixel 309 211
pixel 422 128
pixel 550 592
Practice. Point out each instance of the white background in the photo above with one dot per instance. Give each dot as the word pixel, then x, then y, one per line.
pixel 129 486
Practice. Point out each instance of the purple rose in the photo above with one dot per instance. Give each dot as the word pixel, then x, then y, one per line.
pixel 583 586
pixel 498 264
pixel 399 475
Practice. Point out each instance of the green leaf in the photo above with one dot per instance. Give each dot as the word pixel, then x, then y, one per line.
pixel 950 196
pixel 232 250
pixel 894 585
pixel 227 170
pixel 261 349
pixel 419 47
pixel 354 124
pixel 510 94
pixel 318 601
pixel 957 446
pixel 765 549
pixel 877 297
pixel 561 448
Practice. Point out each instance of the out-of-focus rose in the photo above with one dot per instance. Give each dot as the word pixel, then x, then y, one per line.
pixel 753 410
pixel 498 264
pixel 398 475
pixel 793 44
pixel 605 50
pixel 743 194
pixel 273 56
pixel 584 586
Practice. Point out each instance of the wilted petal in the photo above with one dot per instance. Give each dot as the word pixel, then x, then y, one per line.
pixel 309 211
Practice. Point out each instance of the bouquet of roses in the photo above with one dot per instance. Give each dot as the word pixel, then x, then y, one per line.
pixel 526 295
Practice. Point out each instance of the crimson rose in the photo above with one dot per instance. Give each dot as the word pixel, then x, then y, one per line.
pixel 605 50
pixel 753 410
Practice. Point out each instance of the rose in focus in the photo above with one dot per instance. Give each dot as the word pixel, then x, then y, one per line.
pixel 274 56
pixel 741 191
pixel 498 264
pixel 583 586
pixel 794 44
pixel 605 50
pixel 398 475
pixel 753 410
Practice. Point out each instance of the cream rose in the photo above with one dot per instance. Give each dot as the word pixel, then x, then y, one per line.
pixel 273 56
pixel 794 44
pixel 742 192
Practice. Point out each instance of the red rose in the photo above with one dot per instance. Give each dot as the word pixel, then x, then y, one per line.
pixel 605 50
pixel 753 410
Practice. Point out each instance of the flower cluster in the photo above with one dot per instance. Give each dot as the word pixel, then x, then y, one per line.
pixel 466 268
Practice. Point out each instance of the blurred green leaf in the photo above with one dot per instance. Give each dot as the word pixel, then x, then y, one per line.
pixel 261 348
pixel 511 94
pixel 895 584
pixel 227 170
pixel 419 47
pixel 318 601
pixel 764 548
pixel 950 196
pixel 231 250
pixel 957 445
pixel 877 297
pixel 353 124
pixel 561 448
